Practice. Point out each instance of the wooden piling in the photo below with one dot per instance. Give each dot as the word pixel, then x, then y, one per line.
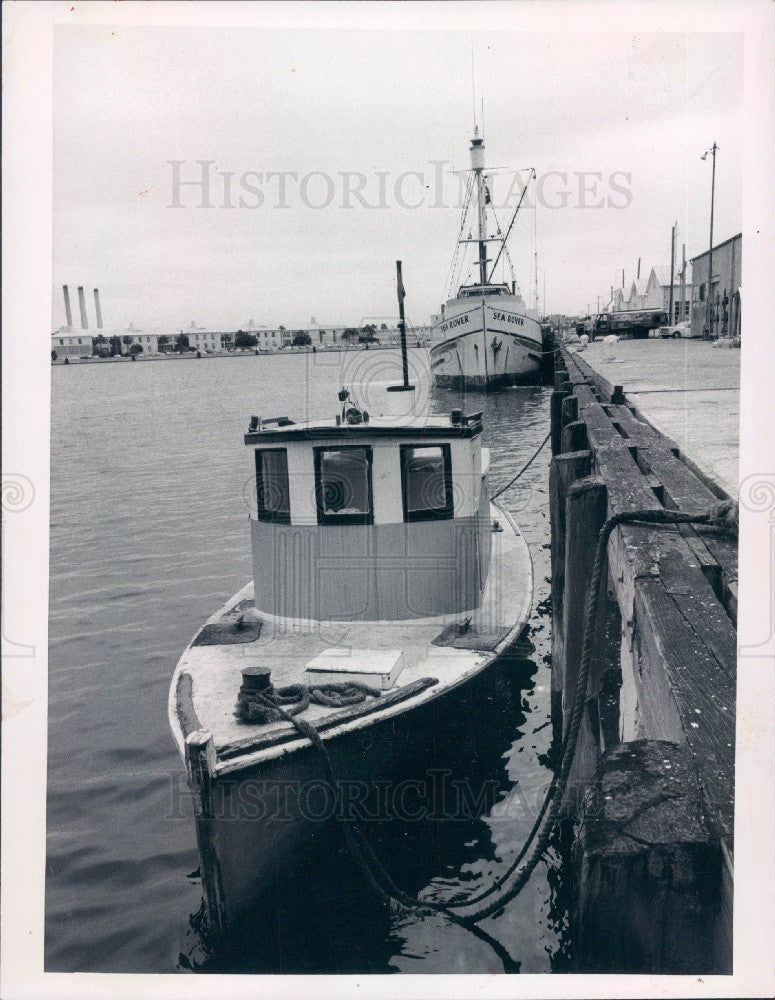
pixel 555 416
pixel 563 472
pixel 585 514
pixel 647 868
pixel 569 411
pixel 662 675
pixel 574 437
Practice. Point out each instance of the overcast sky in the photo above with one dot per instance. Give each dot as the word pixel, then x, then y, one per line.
pixel 379 104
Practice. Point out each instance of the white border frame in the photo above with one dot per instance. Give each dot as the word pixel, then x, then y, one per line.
pixel 27 229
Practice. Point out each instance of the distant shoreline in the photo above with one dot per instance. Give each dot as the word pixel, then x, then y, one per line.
pixel 248 353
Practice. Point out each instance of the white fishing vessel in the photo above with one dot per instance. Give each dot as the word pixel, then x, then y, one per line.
pixel 485 338
pixel 385 582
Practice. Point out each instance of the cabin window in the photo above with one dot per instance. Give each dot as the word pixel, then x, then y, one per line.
pixel 272 487
pixel 343 485
pixel 426 475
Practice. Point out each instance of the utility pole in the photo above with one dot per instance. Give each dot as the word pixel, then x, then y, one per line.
pixel 709 299
pixel 671 315
pixel 683 282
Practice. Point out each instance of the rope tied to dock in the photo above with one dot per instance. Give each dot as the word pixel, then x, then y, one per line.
pixel 723 516
pixel 524 468
pixel 467 912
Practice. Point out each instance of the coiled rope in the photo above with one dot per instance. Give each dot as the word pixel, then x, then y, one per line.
pixel 271 704
pixel 723 516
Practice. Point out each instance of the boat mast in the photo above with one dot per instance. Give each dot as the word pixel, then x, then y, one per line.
pixel 477 165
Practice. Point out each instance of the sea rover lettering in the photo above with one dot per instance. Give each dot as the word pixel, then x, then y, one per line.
pixel 457 321
pixel 508 318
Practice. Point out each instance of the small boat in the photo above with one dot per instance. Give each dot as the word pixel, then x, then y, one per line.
pixel 385 584
pixel 484 337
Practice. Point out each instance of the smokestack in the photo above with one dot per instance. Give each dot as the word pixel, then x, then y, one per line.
pixel 97 308
pixel 82 306
pixel 638 267
pixel 68 310
pixel 622 277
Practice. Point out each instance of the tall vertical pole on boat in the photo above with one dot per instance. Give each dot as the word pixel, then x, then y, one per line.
pixel 477 165
pixel 402 325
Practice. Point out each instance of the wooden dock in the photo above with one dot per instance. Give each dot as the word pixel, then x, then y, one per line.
pixel 652 783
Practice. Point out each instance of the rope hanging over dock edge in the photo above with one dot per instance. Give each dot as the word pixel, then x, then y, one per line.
pixel 724 516
pixel 526 466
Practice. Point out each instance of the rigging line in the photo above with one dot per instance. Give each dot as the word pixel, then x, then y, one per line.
pixel 505 248
pixel 463 217
pixel 511 264
pixel 495 216
pixel 511 224
pixel 535 250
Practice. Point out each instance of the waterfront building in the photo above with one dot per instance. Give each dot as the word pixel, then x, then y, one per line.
pixel 204 340
pixel 658 292
pixel 637 295
pixel 68 344
pixel 716 305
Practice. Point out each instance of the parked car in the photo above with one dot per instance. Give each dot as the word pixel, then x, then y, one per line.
pixel 676 331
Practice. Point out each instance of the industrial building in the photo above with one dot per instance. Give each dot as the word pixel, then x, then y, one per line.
pixel 716 304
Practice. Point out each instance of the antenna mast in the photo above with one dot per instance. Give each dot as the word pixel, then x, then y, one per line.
pixel 473 83
pixel 477 165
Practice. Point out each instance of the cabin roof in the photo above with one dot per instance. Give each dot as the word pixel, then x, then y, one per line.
pixel 434 427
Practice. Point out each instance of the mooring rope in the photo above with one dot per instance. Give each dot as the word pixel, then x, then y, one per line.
pixel 264 705
pixel 526 466
pixel 723 515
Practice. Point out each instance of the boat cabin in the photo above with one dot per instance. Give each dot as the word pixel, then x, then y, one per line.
pixel 480 291
pixel 369 519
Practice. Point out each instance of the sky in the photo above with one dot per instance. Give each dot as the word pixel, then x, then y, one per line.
pixel 367 127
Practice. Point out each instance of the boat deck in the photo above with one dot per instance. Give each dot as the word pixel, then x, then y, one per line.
pixel 209 675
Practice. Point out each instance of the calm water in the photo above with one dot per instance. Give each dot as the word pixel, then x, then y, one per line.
pixel 149 534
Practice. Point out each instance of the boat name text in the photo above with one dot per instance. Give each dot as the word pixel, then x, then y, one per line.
pixel 508 318
pixel 451 324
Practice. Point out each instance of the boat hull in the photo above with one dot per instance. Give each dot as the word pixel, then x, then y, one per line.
pixel 266 817
pixel 275 835
pixel 486 348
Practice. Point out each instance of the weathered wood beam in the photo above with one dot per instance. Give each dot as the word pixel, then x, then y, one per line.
pixel 563 472
pixel 585 515
pixel 200 761
pixel 648 869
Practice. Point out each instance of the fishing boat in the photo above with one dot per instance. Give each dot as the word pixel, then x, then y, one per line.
pixel 385 584
pixel 484 337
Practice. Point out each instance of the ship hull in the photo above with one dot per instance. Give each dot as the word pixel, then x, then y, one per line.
pixel 486 348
